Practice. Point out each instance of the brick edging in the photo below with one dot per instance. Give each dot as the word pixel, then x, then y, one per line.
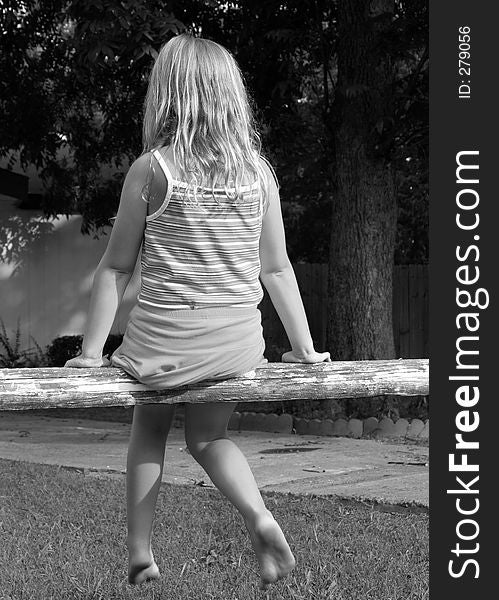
pixel 415 429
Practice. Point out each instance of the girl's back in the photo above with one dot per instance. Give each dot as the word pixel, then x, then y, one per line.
pixel 201 253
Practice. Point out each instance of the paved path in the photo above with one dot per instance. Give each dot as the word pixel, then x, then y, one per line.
pixel 371 470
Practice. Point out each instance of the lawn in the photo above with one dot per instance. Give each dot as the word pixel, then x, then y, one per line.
pixel 62 537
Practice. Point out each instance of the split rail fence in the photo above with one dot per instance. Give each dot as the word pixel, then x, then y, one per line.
pixel 60 387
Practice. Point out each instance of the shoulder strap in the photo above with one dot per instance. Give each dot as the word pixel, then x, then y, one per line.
pixel 265 205
pixel 271 170
pixel 169 185
pixel 158 156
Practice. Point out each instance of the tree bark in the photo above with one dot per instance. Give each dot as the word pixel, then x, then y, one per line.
pixel 364 204
pixel 63 387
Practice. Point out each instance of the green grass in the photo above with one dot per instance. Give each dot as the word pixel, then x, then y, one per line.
pixel 62 536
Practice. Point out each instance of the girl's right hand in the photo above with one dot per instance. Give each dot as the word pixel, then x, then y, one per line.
pixel 313 357
pixel 85 362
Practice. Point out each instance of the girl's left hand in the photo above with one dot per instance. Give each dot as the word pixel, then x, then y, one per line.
pixel 312 357
pixel 85 362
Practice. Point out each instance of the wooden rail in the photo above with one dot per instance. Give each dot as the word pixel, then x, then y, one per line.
pixel 22 389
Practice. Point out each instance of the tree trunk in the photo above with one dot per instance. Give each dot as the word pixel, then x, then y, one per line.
pixel 364 204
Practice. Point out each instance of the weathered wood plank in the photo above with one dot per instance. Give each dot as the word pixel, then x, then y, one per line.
pixel 22 389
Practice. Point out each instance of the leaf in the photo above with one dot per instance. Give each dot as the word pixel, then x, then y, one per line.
pixel 280 35
pixel 107 51
pixel 93 54
pixel 353 90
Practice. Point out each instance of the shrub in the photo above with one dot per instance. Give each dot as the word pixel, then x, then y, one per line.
pixel 62 348
pixel 12 357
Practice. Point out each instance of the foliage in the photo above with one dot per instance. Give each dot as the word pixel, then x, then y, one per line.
pixel 13 357
pixel 71 94
pixel 56 353
pixel 65 347
pixel 411 134
pixel 74 74
pixel 34 78
pixel 18 235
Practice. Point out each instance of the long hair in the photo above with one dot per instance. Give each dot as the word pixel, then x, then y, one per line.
pixel 197 102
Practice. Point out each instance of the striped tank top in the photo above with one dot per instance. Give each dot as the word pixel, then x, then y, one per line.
pixel 202 256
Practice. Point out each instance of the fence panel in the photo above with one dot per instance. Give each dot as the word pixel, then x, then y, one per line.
pixel 410 308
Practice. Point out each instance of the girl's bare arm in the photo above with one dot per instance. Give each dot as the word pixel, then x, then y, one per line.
pixel 118 262
pixel 279 279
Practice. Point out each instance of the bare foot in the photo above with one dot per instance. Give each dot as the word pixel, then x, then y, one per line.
pixel 141 572
pixel 271 548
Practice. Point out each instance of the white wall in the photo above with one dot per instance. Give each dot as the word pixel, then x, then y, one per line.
pixel 50 291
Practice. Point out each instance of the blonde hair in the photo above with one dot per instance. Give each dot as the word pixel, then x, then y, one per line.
pixel 197 102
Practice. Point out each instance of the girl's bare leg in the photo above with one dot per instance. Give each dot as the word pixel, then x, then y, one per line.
pixel 207 440
pixel 146 452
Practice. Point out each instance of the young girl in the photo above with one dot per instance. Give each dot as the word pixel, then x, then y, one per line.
pixel 210 228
